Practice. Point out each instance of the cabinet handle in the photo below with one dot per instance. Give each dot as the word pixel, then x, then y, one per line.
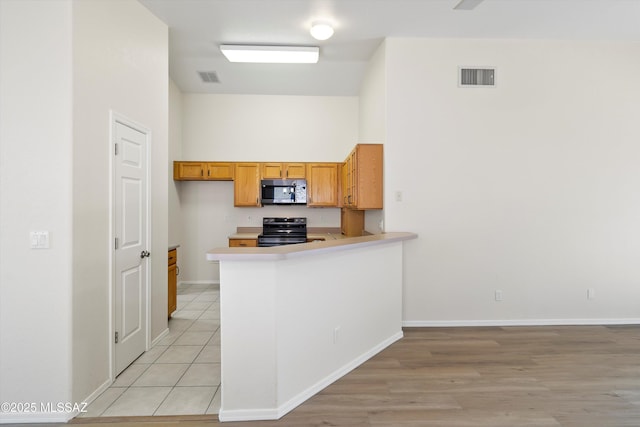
pixel 177 270
pixel 242 244
pixel 208 172
pixel 287 173
pixel 201 172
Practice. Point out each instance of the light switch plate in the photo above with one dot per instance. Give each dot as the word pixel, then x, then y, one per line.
pixel 39 239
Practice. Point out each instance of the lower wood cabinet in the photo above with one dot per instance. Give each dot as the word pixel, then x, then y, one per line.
pixel 173 282
pixel 243 243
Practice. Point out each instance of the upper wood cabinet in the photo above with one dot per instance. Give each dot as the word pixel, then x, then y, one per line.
pixel 220 171
pixel 283 170
pixel 246 184
pixel 355 184
pixel 188 171
pixel 362 177
pixel 322 184
pixel 203 171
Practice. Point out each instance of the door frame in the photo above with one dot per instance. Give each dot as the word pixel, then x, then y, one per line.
pixel 114 119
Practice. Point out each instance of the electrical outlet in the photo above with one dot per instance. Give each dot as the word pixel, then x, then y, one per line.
pixel 591 293
pixel 498 295
pixel 398 196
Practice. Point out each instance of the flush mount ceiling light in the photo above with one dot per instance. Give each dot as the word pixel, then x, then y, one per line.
pixel 321 30
pixel 271 54
pixel 467 4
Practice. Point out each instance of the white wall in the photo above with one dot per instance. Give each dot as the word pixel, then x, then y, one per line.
pixel 279 342
pixel 35 194
pixel 121 64
pixel 372 119
pixel 269 128
pixel 175 152
pixel 530 188
pixel 372 102
pixel 253 128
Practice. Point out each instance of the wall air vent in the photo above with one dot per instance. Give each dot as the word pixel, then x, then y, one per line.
pixel 476 77
pixel 209 76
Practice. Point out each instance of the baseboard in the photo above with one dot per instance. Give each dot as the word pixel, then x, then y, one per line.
pixel 93 396
pixel 159 338
pixel 248 415
pixel 336 375
pixel 36 417
pixel 518 322
pixel 59 414
pixel 282 410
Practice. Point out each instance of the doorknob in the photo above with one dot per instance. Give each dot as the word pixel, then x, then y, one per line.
pixel 144 254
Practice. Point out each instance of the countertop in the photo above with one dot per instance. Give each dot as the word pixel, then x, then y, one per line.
pixel 304 249
pixel 312 236
pixel 172 247
pixel 320 233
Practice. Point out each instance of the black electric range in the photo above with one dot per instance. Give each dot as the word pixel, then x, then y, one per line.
pixel 282 231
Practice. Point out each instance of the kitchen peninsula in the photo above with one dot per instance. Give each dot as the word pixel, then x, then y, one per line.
pixel 296 318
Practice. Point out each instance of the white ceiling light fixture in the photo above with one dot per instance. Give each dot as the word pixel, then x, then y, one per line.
pixel 271 54
pixel 321 30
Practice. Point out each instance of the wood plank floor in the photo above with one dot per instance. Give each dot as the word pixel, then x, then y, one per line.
pixel 570 376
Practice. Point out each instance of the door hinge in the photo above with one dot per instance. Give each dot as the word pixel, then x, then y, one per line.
pixel 116 149
pixel 116 338
pixel 117 243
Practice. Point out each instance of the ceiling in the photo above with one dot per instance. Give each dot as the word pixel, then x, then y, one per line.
pixel 198 27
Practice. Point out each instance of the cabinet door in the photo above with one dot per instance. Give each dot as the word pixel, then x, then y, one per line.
pixel 173 289
pixel 367 175
pixel 322 184
pixel 352 196
pixel 188 171
pixel 246 185
pixel 272 170
pixel 344 183
pixel 218 171
pixel 295 171
pixel 172 276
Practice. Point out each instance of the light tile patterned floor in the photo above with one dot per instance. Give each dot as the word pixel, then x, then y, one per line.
pixel 180 375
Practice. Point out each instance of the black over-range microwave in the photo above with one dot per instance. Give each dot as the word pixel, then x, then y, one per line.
pixel 284 192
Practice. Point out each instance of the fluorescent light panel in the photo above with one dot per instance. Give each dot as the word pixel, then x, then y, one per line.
pixel 271 54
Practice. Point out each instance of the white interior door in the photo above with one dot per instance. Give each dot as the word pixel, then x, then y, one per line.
pixel 130 246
